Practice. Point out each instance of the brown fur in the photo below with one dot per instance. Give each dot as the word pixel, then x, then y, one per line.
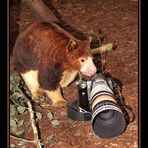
pixel 44 50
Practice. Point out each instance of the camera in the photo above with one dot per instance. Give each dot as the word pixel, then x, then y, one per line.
pixel 97 102
pixel 100 101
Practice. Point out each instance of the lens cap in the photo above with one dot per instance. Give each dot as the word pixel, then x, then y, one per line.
pixel 109 123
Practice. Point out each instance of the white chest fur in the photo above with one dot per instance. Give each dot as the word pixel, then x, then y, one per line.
pixel 67 78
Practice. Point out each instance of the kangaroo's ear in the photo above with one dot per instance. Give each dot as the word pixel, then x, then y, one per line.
pixel 72 45
pixel 90 39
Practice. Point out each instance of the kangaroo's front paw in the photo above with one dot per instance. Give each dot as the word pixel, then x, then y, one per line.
pixel 56 97
pixel 37 95
pixel 60 103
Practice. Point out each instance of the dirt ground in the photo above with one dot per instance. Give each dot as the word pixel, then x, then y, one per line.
pixel 118 19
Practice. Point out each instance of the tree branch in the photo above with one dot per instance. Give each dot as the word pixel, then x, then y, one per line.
pixel 42 10
pixel 22 139
pixel 103 48
pixel 35 131
pixel 32 118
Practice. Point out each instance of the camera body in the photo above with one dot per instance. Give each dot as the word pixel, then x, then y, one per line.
pixel 96 102
pixel 99 86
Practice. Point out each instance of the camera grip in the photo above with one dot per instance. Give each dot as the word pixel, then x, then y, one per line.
pixel 83 98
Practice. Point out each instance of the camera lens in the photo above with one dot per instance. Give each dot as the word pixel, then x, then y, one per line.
pixel 109 128
pixel 107 118
pixel 106 115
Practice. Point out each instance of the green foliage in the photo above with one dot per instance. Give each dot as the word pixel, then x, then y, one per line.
pixel 13 123
pixel 50 138
pixel 55 122
pixel 21 109
pixel 18 109
pixel 16 95
pixel 20 133
pixel 50 115
pixel 20 123
pixel 39 115
pixel 13 110
pixel 16 98
pixel 17 104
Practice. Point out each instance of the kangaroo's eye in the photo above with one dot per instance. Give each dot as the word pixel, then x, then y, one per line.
pixel 82 60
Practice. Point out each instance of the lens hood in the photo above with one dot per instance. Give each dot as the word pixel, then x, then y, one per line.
pixel 108 121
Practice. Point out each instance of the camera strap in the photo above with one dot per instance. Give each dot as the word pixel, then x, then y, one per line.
pixel 125 108
pixel 76 113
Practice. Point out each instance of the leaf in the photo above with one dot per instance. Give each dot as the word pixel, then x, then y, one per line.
pixel 55 122
pixel 16 119
pixel 11 78
pixel 13 145
pixel 36 120
pixel 50 138
pixel 25 112
pixel 21 109
pixel 50 115
pixel 20 123
pixel 14 129
pixel 13 123
pixel 17 78
pixel 16 95
pixel 19 133
pixel 12 110
pixel 39 115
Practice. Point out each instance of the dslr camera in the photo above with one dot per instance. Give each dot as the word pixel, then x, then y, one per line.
pixel 97 101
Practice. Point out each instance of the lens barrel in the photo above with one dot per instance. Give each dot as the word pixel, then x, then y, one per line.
pixel 107 118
